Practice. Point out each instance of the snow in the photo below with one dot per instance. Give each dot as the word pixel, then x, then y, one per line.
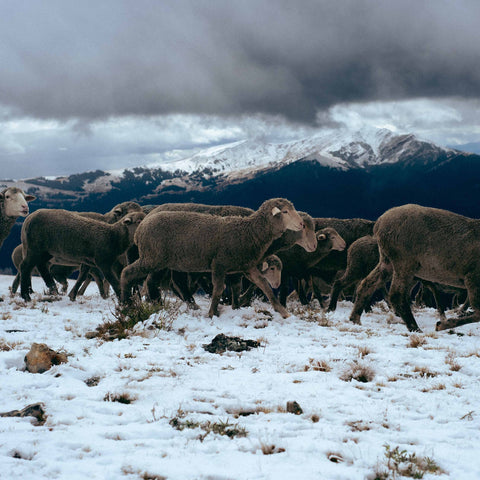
pixel 416 401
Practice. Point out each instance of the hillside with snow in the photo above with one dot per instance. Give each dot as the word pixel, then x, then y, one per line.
pixel 157 405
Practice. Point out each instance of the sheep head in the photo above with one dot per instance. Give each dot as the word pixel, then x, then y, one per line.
pixel 13 202
pixel 280 208
pixel 329 239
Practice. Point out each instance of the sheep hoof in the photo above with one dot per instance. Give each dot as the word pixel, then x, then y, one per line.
pixel 355 320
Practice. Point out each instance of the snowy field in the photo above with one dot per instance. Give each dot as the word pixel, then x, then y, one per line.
pixel 420 393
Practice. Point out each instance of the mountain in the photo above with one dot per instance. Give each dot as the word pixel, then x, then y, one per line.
pixel 334 173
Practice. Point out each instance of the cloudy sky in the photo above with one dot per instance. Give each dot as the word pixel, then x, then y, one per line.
pixel 116 83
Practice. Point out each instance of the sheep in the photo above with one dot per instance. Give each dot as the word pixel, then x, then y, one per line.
pixel 197 242
pixel 220 210
pixel 185 286
pixel 74 239
pixel 306 238
pixel 297 262
pixel 362 257
pixel 349 229
pixel 429 244
pixel 13 204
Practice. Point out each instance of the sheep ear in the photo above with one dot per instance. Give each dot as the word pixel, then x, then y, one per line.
pixel 264 266
pixel 127 220
pixel 117 211
pixel 30 198
pixel 275 211
pixel 322 236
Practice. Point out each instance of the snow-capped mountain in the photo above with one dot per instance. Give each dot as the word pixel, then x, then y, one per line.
pixel 340 149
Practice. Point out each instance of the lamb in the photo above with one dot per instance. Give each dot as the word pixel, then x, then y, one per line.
pixel 74 239
pixel 197 242
pixel 297 262
pixel 430 244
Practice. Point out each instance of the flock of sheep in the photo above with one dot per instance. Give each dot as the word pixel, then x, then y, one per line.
pixel 188 246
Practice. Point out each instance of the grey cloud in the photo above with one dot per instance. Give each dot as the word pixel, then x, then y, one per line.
pixel 93 60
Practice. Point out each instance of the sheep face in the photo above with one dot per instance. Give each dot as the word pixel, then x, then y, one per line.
pixel 120 210
pixel 308 240
pixel 284 210
pixel 132 221
pixel 330 239
pixel 271 269
pixel 14 201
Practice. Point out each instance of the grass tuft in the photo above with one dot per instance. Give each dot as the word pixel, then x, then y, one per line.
pixel 359 372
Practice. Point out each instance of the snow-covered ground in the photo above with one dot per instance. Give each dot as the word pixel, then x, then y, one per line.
pixel 423 399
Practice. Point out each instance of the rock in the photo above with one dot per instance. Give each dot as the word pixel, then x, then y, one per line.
pixel 40 358
pixel 222 342
pixel 294 407
pixel 36 410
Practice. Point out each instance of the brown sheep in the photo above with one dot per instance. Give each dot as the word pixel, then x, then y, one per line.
pixel 297 262
pixel 362 258
pixel 74 239
pixel 429 244
pixel 197 242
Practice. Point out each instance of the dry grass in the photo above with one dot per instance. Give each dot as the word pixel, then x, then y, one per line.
pixel 317 366
pixel 452 362
pixel 416 341
pixel 364 351
pixel 424 372
pixel 359 372
pixel 399 463
pixel 270 449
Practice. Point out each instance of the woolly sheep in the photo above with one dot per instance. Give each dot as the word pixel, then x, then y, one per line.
pixel 74 239
pixel 220 210
pixel 196 242
pixel 297 262
pixel 430 244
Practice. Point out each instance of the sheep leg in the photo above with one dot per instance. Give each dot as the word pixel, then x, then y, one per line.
pixel 218 280
pixel 184 288
pixel 110 276
pixel 338 286
pixel 283 293
pixel 153 282
pixel 44 271
pixel 84 270
pixel 246 297
pixel 302 293
pixel 257 278
pixel 473 297
pixel 26 268
pixel 16 282
pixel 235 283
pixel 400 300
pixel 374 281
pixel 317 285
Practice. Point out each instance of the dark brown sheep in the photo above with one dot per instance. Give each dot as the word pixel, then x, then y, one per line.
pixel 297 262
pixel 362 258
pixel 350 229
pixel 196 242
pixel 74 239
pixel 417 242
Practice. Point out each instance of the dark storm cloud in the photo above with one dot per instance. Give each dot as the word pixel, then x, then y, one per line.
pixel 90 60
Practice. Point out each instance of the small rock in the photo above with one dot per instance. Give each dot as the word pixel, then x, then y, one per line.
pixel 294 407
pixel 40 358
pixel 222 342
